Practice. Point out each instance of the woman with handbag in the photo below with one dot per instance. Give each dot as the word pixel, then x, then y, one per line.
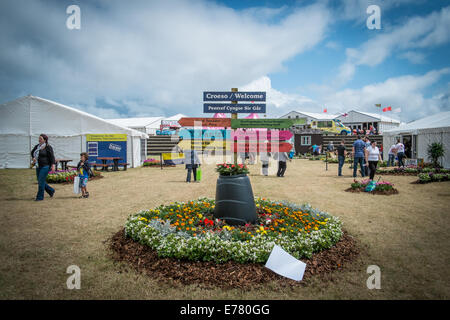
pixel 44 159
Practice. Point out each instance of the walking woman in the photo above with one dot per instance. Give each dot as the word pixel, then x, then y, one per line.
pixel 372 157
pixel 44 159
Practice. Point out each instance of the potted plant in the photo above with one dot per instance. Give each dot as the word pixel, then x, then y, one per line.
pixel 435 152
pixel 235 202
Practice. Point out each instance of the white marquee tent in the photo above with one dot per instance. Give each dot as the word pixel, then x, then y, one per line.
pixel 422 132
pixel 24 119
pixel 148 125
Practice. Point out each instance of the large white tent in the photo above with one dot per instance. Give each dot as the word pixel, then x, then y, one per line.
pixel 24 119
pixel 423 132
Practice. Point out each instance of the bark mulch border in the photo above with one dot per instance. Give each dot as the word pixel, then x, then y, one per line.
pixel 383 193
pixel 397 173
pixel 426 182
pixel 228 275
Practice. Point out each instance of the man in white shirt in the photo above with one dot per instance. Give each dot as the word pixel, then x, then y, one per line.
pixel 400 153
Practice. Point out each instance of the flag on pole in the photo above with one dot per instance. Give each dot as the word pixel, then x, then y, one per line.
pixel 378 105
pixel 397 110
pixel 345 114
pixel 387 109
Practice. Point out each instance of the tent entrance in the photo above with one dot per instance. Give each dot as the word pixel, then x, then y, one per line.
pixel 410 143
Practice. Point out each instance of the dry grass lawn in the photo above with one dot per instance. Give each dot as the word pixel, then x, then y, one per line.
pixel 406 235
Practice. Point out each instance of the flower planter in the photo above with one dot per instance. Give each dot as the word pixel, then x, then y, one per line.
pixel 234 200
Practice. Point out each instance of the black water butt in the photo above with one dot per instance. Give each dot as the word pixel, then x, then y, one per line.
pixel 234 200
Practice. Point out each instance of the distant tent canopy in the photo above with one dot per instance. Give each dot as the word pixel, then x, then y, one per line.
pixel 423 132
pixel 24 119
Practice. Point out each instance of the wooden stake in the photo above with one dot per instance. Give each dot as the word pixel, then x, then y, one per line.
pixel 234 116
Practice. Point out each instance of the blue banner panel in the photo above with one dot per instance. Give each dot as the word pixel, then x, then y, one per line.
pixel 97 149
pixel 234 108
pixel 234 96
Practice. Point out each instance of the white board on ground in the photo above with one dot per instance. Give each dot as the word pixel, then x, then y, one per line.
pixel 285 265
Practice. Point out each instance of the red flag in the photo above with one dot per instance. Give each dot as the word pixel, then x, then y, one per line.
pixel 325 110
pixel 387 109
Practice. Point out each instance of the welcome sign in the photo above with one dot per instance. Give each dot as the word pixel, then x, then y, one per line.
pixel 232 98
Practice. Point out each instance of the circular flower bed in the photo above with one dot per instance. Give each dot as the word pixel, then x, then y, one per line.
pixel 381 187
pixel 189 231
pixel 433 177
pixel 67 176
pixel 412 170
pixel 155 163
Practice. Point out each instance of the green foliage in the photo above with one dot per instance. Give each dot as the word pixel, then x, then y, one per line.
pixel 435 152
pixel 229 169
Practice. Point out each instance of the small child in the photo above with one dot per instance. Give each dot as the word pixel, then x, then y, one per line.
pixel 83 172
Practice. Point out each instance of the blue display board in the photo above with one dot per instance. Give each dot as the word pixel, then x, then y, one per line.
pixel 108 145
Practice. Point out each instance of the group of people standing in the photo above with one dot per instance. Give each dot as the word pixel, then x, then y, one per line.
pixel 366 154
pixel 396 150
pixel 371 131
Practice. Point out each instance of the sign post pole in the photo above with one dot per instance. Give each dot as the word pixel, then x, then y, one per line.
pixel 234 116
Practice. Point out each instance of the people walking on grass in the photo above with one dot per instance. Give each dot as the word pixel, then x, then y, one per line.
pixel 372 155
pixel 264 156
pixel 44 159
pixel 400 148
pixel 330 147
pixel 342 153
pixel 358 156
pixel 282 157
pixel 251 157
pixel 242 157
pixel 84 171
pixel 391 156
pixel 192 162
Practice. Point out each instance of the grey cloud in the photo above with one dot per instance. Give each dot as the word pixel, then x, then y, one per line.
pixel 160 54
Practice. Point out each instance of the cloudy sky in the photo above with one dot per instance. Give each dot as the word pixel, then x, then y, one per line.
pixel 152 58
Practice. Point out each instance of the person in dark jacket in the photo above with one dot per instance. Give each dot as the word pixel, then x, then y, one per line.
pixel 44 159
pixel 192 163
